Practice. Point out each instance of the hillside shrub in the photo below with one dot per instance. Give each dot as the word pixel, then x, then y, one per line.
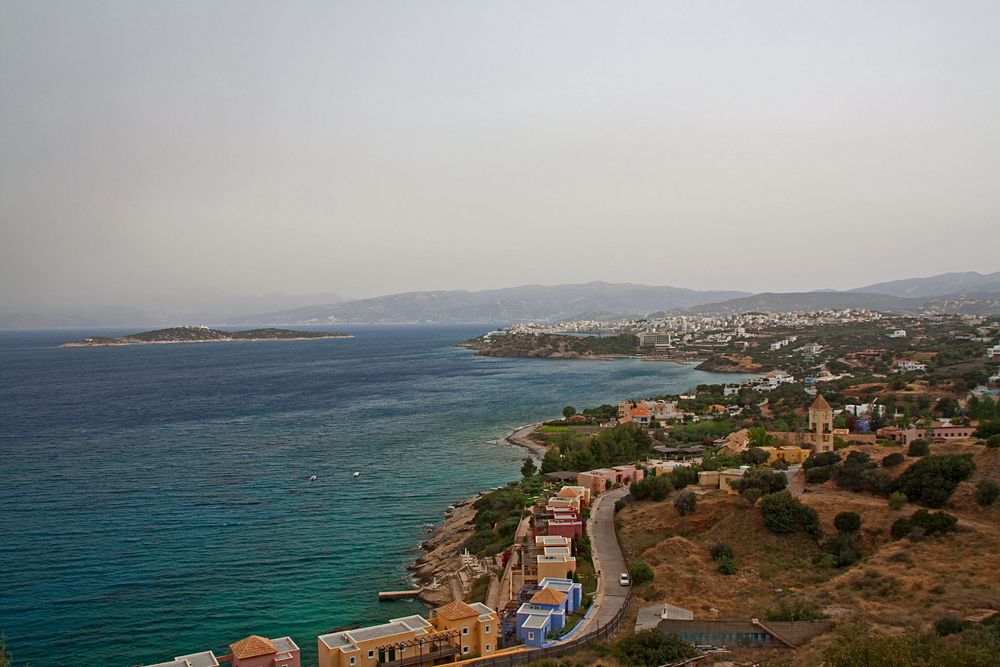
pixel 652 488
pixel 932 480
pixel 641 573
pixel 919 448
pixel 650 647
pixel 768 481
pixel 846 549
pixel 847 522
pixel 681 477
pixel 794 610
pixel 893 460
pixel 859 646
pixel 987 491
pixel 897 499
pixel 924 524
pixel 686 502
pixel 851 475
pixel 820 474
pixel 949 625
pixel 752 495
pixel 727 565
pixel 993 441
pixel 822 459
pixel 783 513
pixel 721 550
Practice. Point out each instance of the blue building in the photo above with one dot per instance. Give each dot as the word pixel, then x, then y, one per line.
pixel 545 613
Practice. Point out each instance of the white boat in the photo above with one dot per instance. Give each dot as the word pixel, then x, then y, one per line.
pixel 357 474
pixel 313 478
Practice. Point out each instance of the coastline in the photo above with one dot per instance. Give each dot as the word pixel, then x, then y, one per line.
pixel 441 551
pixel 212 340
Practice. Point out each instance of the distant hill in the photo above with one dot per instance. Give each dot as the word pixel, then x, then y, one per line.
pixel 768 302
pixel 188 334
pixel 944 284
pixel 514 304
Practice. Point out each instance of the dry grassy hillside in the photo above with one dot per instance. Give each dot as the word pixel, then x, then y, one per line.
pixel 895 585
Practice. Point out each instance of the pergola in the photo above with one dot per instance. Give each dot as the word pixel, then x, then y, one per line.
pixel 390 654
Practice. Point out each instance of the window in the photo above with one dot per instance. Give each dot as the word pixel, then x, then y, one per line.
pixel 465 649
pixel 465 631
pixel 531 635
pixel 487 630
pixel 371 654
pixel 354 660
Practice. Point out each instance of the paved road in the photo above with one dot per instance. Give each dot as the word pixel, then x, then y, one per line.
pixel 608 560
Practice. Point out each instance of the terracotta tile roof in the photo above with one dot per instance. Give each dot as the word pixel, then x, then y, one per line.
pixel 251 647
pixel 820 403
pixel 639 412
pixel 548 596
pixel 456 610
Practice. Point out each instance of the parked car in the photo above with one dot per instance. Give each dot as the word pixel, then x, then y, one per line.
pixel 623 579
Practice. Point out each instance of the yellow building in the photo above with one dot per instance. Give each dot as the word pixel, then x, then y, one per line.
pixel 787 453
pixel 454 632
pixel 580 494
pixel 555 566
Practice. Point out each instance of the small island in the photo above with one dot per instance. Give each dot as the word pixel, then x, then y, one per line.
pixel 188 334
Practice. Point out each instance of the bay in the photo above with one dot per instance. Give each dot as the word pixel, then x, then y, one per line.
pixel 155 500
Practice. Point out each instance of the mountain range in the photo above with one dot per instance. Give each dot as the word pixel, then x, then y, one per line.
pixel 969 292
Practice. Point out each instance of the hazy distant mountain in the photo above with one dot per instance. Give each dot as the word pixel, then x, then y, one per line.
pixel 940 285
pixel 771 302
pixel 205 308
pixel 514 304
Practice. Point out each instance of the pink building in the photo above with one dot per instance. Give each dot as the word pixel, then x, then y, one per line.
pixel 253 651
pixel 940 431
pixel 571 529
pixel 596 480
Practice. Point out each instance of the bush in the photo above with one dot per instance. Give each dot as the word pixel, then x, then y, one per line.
pixel 932 480
pixel 652 488
pixel 855 474
pixel 893 460
pixel 727 565
pixel 685 502
pixel 650 647
pixel 949 625
pixel 993 441
pixel 923 523
pixel 822 459
pixel 720 550
pixel 641 573
pixel 897 499
pixel 987 491
pixel 784 514
pixel 820 474
pixel 752 495
pixel 768 481
pixel 847 551
pixel 794 610
pixel 779 465
pixel 919 448
pixel 682 477
pixel 847 522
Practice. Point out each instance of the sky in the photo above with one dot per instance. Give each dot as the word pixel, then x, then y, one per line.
pixel 176 149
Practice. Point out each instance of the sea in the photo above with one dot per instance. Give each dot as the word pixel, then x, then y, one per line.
pixel 156 501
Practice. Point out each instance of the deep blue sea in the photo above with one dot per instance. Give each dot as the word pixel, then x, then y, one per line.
pixel 154 500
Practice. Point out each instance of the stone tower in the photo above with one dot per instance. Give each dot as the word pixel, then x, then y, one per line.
pixel 820 436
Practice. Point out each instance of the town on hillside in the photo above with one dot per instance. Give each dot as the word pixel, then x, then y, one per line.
pixel 843 497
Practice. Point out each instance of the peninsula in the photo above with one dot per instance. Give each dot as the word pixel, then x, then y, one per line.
pixel 188 334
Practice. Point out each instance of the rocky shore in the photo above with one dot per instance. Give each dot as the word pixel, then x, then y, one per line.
pixel 442 550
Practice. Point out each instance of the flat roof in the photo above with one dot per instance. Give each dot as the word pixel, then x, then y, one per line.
pixel 536 622
pixel 415 624
pixel 284 644
pixel 202 659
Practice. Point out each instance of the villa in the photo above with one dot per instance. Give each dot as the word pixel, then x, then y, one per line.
pixel 453 631
pixel 252 651
pixel 546 611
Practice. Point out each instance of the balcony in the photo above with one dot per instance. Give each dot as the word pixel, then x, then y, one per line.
pixel 420 658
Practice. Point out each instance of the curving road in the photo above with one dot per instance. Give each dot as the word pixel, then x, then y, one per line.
pixel 610 596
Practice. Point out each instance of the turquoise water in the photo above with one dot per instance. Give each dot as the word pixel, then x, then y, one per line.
pixel 155 499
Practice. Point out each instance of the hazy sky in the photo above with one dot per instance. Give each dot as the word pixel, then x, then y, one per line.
pixel 372 147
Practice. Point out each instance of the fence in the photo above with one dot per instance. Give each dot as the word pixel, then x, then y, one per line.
pixel 559 650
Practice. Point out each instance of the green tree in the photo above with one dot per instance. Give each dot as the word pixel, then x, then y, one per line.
pixel 759 437
pixel 847 522
pixel 897 499
pixel 919 447
pixel 552 461
pixel 528 468
pixel 568 411
pixel 782 513
pixel 641 573
pixel 686 502
pixel 987 491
